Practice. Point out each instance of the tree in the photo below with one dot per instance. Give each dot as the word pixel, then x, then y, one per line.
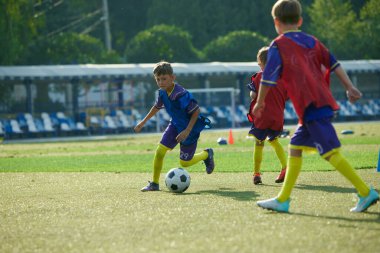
pixel 235 46
pixel 335 24
pixel 70 48
pixel 370 30
pixel 207 20
pixel 161 42
pixel 17 27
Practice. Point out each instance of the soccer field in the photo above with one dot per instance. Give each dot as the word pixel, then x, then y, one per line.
pixel 84 197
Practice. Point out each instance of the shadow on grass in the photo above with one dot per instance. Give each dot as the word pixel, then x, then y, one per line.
pixel 230 193
pixel 326 188
pixel 375 217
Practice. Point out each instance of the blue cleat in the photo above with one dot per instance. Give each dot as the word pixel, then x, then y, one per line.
pixel 365 202
pixel 274 205
pixel 151 187
pixel 209 161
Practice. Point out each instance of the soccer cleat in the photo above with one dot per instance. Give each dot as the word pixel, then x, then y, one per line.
pixel 257 179
pixel 152 186
pixel 274 205
pixel 209 161
pixel 365 202
pixel 281 177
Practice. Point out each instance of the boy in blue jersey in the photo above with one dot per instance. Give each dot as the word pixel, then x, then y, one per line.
pixel 184 127
pixel 299 62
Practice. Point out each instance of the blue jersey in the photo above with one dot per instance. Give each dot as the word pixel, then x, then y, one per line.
pixel 180 105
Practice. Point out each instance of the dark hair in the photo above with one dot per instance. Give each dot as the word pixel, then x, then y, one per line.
pixel 287 11
pixel 163 68
pixel 262 55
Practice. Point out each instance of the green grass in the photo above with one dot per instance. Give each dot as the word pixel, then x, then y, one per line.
pixel 106 212
pixel 134 153
pixel 50 203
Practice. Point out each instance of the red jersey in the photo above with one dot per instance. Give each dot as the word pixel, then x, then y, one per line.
pixel 302 75
pixel 273 114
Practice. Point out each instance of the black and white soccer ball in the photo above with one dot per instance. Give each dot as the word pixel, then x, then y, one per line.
pixel 177 180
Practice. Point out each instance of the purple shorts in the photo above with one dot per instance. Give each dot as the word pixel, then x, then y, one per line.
pixel 262 134
pixel 319 134
pixel 168 140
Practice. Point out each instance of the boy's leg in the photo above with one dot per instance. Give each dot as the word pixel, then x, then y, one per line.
pixel 293 170
pixel 158 162
pixel 281 157
pixel 260 135
pixel 258 156
pixel 257 159
pixel 343 166
pixel 279 152
pixel 367 196
pixel 168 142
pixel 188 156
pixel 300 139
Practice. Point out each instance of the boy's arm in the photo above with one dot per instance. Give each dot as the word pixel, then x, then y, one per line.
pixel 252 94
pixel 185 133
pixel 259 106
pixel 352 92
pixel 150 114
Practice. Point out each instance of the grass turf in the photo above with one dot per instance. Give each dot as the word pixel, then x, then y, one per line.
pixel 105 212
pixel 134 153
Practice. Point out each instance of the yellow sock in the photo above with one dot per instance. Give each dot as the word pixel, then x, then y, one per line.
pixel 342 165
pixel 196 158
pixel 293 170
pixel 158 162
pixel 257 157
pixel 279 152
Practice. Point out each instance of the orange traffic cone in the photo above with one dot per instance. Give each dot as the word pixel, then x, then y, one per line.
pixel 230 138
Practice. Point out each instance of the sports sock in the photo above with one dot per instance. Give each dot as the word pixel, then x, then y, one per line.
pixel 196 158
pixel 279 152
pixel 158 162
pixel 257 158
pixel 341 164
pixel 293 170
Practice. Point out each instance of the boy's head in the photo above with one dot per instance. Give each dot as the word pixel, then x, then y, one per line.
pixel 288 13
pixel 162 68
pixel 262 57
pixel 163 73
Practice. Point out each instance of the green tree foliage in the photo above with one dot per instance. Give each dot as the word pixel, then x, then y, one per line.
pixel 335 24
pixel 161 42
pixel 370 30
pixel 127 18
pixel 17 27
pixel 235 46
pixel 70 48
pixel 207 20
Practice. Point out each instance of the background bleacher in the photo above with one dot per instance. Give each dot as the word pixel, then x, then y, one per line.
pixel 58 124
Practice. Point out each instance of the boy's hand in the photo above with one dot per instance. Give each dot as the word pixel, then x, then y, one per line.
pixel 138 127
pixel 353 94
pixel 183 135
pixel 258 110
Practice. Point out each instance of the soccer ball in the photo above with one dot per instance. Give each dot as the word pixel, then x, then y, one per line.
pixel 177 180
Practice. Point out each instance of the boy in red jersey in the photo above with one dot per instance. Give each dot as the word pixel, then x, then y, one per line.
pixel 270 124
pixel 295 59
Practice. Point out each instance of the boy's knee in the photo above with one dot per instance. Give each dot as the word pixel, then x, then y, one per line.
pixel 295 152
pixel 161 151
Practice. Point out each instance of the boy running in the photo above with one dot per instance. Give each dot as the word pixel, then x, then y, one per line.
pixel 184 128
pixel 270 124
pixel 295 59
